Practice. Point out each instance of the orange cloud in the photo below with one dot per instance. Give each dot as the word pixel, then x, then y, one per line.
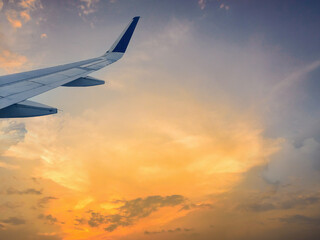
pixel 13 18
pixel 165 148
pixel 44 35
pixel 88 6
pixel 25 16
pixel 30 4
pixel 10 61
pixel 17 17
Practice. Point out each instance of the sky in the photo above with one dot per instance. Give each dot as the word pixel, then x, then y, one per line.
pixel 207 128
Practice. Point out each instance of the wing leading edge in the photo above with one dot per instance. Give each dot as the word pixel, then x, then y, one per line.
pixel 15 89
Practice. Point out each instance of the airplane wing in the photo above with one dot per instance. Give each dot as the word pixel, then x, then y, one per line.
pixel 15 89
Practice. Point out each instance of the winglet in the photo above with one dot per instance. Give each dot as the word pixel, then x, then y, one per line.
pixel 122 42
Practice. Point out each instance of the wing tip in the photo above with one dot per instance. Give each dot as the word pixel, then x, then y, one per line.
pixel 123 41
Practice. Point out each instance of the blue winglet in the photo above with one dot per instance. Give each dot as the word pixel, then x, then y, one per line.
pixel 122 42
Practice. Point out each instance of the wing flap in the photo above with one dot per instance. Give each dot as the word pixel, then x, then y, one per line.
pixel 84 82
pixel 73 72
pixel 47 80
pixel 26 109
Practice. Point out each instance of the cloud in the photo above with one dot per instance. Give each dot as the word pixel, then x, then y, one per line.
pixel 202 4
pixel 49 236
pixel 19 12
pixel 11 132
pixel 197 206
pixel 176 230
pixel 80 221
pixel 44 36
pixel 9 60
pixel 300 201
pixel 88 6
pixel 133 210
pixel 113 227
pixel 224 6
pixel 96 219
pixel 29 191
pixel 13 18
pixel 14 221
pixel 45 200
pixel 292 78
pixel 1 4
pixel 48 218
pixel 301 219
pixel 25 232
pixel 260 207
pixel 11 205
pixel 31 4
pixel 144 207
pixel 295 164
pixel 25 16
pixel 272 204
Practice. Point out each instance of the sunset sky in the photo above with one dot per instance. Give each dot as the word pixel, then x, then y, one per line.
pixel 207 128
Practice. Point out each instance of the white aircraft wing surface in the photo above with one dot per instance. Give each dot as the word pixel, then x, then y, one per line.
pixel 15 89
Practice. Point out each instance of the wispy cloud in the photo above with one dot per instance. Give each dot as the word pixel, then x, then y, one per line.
pixel 301 219
pixel 43 36
pixel 11 205
pixel 14 221
pixel 14 18
pixel 25 16
pixel 19 12
pixel 29 191
pixel 11 132
pixel 286 202
pixel 295 76
pixel 31 4
pixel 48 218
pixel 88 7
pixel 45 200
pixel 10 61
pixel 224 6
pixel 202 4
